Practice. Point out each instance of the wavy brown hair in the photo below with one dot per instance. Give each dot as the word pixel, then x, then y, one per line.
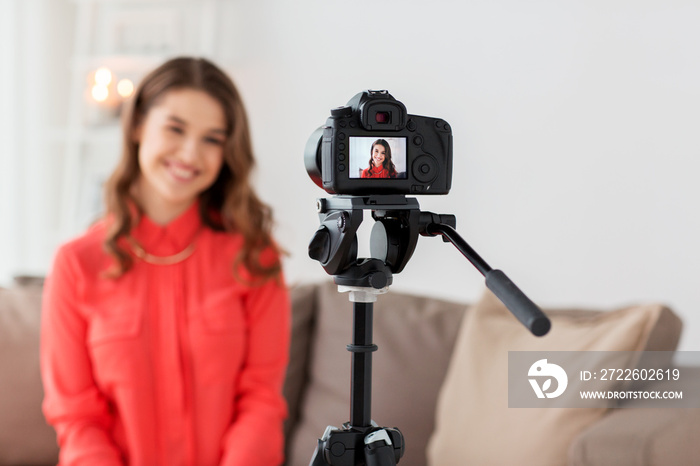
pixel 229 204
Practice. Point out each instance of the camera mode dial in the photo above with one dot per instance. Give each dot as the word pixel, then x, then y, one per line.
pixel 341 112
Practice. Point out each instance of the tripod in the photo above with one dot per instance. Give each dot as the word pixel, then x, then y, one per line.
pixel 398 223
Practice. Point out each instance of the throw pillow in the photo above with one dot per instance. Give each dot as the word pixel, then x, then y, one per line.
pixel 643 436
pixel 474 424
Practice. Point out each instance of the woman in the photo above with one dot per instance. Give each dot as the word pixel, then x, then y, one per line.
pixel 380 164
pixel 166 325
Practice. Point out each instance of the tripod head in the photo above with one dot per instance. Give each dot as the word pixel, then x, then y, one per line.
pixel 398 223
pixel 334 244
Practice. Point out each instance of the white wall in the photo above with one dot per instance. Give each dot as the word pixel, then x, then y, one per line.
pixel 9 208
pixel 26 162
pixel 574 124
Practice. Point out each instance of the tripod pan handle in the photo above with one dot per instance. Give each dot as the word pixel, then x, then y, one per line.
pixel 520 305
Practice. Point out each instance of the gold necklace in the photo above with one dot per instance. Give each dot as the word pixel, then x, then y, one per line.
pixel 161 260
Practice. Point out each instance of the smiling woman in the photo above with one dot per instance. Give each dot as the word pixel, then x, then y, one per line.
pixel 166 325
pixel 381 164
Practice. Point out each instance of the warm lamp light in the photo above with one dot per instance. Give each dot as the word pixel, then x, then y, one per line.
pixel 100 92
pixel 125 88
pixel 103 76
pixel 107 90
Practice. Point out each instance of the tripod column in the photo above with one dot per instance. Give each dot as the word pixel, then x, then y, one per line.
pixel 361 375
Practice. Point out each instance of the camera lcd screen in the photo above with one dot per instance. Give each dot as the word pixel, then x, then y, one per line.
pixel 377 157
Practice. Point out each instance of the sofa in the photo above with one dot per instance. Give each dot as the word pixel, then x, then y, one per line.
pixel 418 338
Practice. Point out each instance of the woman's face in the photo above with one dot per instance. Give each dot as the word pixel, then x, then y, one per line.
pixel 181 151
pixel 378 155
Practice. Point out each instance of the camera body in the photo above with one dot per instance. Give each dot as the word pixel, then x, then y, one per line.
pixel 373 146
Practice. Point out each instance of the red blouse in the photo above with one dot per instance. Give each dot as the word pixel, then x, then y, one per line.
pixel 376 172
pixel 168 365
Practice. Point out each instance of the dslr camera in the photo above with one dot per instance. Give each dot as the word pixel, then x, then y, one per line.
pixel 372 146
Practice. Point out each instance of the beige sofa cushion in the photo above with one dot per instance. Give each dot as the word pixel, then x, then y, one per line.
pixel 474 424
pixel 25 438
pixel 642 436
pixel 415 336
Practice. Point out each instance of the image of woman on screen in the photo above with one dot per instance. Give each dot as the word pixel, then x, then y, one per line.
pixel 380 164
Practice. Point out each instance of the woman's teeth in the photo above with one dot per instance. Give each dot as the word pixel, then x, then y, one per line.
pixel 182 172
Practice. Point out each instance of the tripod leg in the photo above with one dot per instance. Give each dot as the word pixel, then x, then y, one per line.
pixel 381 450
pixel 317 459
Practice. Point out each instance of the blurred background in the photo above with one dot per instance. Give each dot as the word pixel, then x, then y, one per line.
pixel 576 148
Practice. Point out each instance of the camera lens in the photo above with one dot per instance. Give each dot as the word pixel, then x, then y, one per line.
pixel 383 117
pixel 312 156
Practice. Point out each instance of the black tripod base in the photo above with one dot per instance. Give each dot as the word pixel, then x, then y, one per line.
pixel 356 446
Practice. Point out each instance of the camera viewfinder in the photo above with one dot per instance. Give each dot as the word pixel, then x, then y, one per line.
pixel 383 117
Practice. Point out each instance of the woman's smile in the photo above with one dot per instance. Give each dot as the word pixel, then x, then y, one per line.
pixel 181 172
pixel 378 155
